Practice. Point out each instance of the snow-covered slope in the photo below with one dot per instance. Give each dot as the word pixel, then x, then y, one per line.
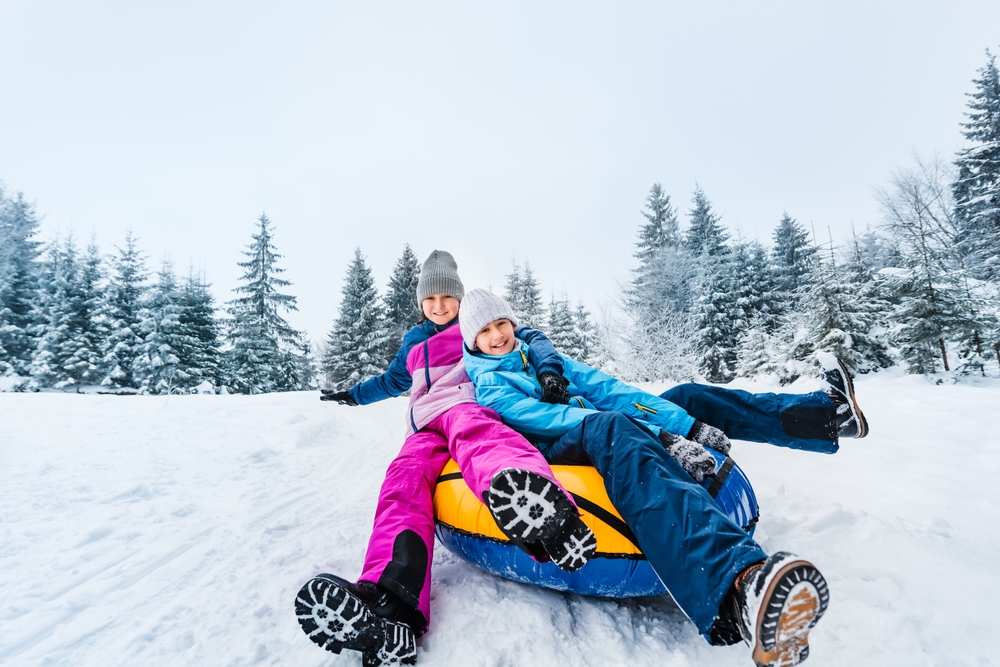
pixel 176 531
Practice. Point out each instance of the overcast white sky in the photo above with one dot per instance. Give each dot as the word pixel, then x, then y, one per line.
pixel 496 131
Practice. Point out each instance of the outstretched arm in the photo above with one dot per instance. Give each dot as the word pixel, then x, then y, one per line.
pixel 394 381
pixel 608 393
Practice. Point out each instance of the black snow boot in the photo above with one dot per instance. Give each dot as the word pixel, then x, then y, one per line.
pixel 778 602
pixel 337 614
pixel 851 422
pixel 535 514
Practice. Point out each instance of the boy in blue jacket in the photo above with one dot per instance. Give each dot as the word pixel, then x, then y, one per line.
pixel 650 453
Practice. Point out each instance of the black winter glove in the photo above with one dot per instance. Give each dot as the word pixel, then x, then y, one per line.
pixel 342 397
pixel 554 388
pixel 695 459
pixel 710 436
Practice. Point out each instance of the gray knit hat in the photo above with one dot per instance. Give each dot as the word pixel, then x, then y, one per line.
pixel 479 308
pixel 439 275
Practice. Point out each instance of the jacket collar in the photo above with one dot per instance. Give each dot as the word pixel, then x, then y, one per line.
pixel 430 328
pixel 477 363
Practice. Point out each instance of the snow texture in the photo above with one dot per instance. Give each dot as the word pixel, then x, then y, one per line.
pixel 176 531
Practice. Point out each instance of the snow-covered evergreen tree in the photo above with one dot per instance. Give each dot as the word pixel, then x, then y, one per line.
pixel 19 269
pixel 121 313
pixel 265 349
pixel 67 349
pixel 705 234
pixel 753 288
pixel 793 260
pixel 358 340
pixel 715 328
pixel 158 368
pixel 657 301
pixel 561 328
pixel 307 367
pixel 401 308
pixel 868 296
pixel 586 341
pixel 661 228
pixel 977 186
pixel 200 353
pixel 830 315
pixel 758 352
pixel 524 294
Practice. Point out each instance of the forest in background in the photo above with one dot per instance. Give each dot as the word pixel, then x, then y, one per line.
pixel 921 290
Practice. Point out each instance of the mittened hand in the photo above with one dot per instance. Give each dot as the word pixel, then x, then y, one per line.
pixel 695 459
pixel 554 388
pixel 710 436
pixel 342 397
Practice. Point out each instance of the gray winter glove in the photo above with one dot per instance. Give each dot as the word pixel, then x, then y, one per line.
pixel 554 388
pixel 710 436
pixel 695 459
pixel 342 397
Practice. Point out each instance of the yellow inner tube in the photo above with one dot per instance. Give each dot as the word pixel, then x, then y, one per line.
pixel 457 507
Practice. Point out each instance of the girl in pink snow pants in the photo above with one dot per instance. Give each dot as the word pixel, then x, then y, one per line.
pixel 390 604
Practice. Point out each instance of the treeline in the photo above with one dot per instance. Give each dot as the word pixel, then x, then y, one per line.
pixel 72 318
pixel 920 289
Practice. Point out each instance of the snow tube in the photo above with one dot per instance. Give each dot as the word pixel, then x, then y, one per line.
pixel 618 570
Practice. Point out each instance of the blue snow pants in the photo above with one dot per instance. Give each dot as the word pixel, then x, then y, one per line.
pixel 797 421
pixel 695 550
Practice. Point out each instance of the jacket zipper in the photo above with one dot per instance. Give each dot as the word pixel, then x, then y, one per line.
pixel 427 364
pixel 643 408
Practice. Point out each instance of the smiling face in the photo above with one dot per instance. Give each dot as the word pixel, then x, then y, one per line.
pixel 440 308
pixel 496 338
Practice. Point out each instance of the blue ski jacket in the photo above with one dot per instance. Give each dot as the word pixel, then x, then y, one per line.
pixel 509 384
pixel 396 379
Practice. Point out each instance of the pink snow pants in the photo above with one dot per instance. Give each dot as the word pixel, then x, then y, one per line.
pixel 402 543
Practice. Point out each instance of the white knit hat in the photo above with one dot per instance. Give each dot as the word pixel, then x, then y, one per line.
pixel 479 308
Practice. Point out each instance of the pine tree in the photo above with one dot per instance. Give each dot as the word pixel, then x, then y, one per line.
pixel 831 316
pixel 67 346
pixel 121 312
pixel 401 308
pixel 307 367
pixel 753 288
pixel 705 235
pixel 524 295
pixel 586 343
pixel 757 352
pixel 660 230
pixel 560 328
pixel 661 285
pixel 158 368
pixel 357 342
pixel 19 268
pixel 200 353
pixel 793 259
pixel 977 186
pixel 716 334
pixel 512 288
pixel 265 349
pixel 53 311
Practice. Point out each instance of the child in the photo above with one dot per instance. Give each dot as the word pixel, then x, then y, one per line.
pixel 390 604
pixel 648 450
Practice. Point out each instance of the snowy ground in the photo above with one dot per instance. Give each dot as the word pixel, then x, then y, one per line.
pixel 176 531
